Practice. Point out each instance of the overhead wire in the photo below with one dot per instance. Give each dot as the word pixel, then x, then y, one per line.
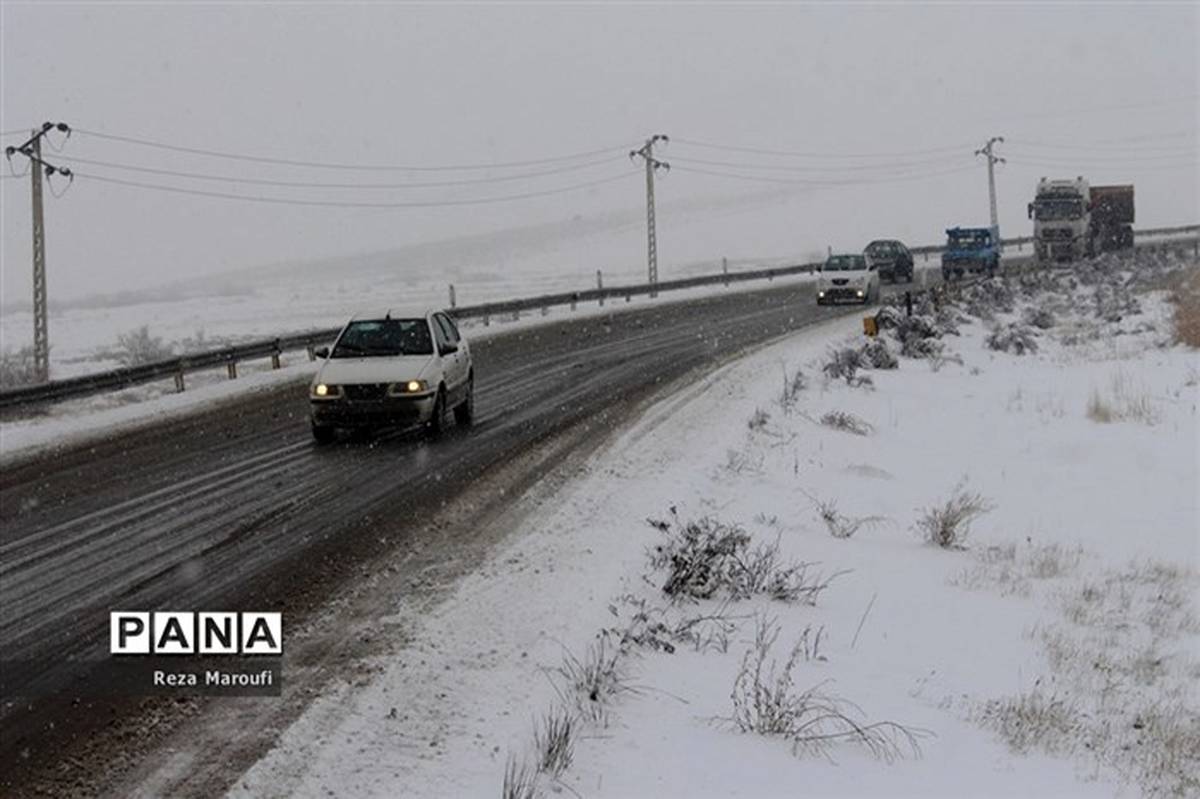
pixel 817 154
pixel 354 204
pixel 348 166
pixel 326 185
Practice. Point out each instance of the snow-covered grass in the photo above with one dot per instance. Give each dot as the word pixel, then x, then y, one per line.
pixel 1054 651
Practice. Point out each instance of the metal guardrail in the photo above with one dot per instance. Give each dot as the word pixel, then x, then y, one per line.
pixel 229 357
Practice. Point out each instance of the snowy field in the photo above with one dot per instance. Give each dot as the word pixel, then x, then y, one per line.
pixel 267 301
pixel 958 561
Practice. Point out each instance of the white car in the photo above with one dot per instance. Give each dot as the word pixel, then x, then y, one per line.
pixel 847 278
pixel 387 369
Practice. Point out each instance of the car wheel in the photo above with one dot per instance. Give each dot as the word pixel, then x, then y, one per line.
pixel 437 422
pixel 323 435
pixel 464 414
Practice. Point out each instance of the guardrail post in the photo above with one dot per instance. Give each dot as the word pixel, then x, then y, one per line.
pixel 925 257
pixel 231 368
pixel 452 297
pixel 600 286
pixel 312 351
pixel 179 379
pixel 574 300
pixel 275 356
pixel 516 314
pixel 628 297
pixel 545 310
pixel 487 318
pixel 725 270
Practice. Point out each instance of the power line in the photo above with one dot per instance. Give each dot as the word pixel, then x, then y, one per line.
pixel 356 167
pixel 818 182
pixel 812 154
pixel 350 204
pixel 895 166
pixel 321 185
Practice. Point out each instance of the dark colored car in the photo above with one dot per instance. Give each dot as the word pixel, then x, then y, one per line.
pixel 891 259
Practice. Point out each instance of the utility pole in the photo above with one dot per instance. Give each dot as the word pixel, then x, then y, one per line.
pixel 992 160
pixel 32 149
pixel 652 165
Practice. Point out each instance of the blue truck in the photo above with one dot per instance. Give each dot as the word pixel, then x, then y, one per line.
pixel 971 249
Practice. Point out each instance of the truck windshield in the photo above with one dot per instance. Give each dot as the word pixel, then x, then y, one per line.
pixel 382 337
pixel 1049 210
pixel 846 263
pixel 968 241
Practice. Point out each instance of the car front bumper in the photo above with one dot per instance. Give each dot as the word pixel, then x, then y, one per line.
pixel 842 294
pixel 386 411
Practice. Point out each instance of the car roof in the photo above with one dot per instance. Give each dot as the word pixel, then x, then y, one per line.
pixel 885 241
pixel 394 313
pixel 845 255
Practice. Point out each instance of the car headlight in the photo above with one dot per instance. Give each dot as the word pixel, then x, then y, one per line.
pixel 859 293
pixel 326 391
pixel 820 294
pixel 408 387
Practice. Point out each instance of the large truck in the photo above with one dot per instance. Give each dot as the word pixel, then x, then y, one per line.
pixel 1072 219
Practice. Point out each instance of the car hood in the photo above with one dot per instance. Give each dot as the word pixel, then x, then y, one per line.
pixel 850 278
pixel 351 371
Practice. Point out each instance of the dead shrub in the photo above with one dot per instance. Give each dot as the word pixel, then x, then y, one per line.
pixel 555 742
pixel 766 701
pixel 138 347
pixel 846 422
pixel 947 525
pixel 520 780
pixel 707 557
pixel 17 367
pixel 1014 338
pixel 840 526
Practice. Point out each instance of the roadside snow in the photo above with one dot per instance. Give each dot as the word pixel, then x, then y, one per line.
pixel 1089 556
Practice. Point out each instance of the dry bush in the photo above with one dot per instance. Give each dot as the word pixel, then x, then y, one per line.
pixel 1124 402
pixel 708 557
pixel 792 386
pixel 841 526
pixel 137 347
pixel 878 355
pixel 1186 316
pixel 594 680
pixel 844 363
pixel 17 367
pixel 554 742
pixel 662 631
pixel 846 422
pixel 766 701
pixel 520 780
pixel 948 524
pixel 758 420
pixel 1014 338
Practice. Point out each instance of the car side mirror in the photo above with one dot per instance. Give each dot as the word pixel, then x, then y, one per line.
pixel 321 352
pixel 1029 210
pixel 449 349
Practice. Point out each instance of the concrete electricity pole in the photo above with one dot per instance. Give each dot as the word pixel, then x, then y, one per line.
pixel 652 165
pixel 992 160
pixel 32 149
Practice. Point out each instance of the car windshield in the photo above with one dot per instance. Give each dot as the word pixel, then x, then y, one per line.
pixel 1049 210
pixel 845 263
pixel 381 337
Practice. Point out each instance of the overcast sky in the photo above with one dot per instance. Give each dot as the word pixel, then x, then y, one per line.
pixel 1108 91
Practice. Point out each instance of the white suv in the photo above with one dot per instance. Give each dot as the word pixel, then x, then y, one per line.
pixel 847 278
pixel 386 370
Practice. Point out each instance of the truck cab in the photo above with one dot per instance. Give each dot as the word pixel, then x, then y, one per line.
pixel 971 249
pixel 1061 214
